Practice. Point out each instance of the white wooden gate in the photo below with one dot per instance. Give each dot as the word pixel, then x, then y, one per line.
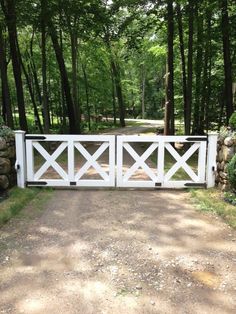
pixel 158 175
pixel 68 172
pixel 95 161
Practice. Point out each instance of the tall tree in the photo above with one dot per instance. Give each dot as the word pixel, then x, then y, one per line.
pixel 187 114
pixel 8 8
pixel 46 117
pixel 5 86
pixel 169 105
pixel 227 59
pixel 74 124
pixel 189 96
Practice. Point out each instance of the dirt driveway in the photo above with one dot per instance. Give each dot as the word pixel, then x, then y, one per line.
pixel 114 251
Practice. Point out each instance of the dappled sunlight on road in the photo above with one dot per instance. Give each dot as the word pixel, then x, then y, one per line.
pixel 118 251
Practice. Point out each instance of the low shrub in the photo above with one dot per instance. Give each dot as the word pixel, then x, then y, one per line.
pixel 232 121
pixel 231 170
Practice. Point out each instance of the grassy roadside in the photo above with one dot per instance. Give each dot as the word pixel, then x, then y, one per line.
pixel 211 200
pixel 18 199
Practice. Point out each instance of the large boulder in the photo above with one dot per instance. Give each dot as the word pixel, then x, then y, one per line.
pixel 4 182
pixel 5 165
pixel 3 144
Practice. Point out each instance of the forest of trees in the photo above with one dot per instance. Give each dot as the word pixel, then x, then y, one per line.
pixel 65 64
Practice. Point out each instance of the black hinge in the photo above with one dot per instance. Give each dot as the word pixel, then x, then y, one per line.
pixel 39 183
pixel 192 184
pixel 72 183
pixel 35 137
pixel 197 139
pixel 158 184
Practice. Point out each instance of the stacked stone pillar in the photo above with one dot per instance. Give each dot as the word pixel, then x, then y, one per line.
pixel 226 149
pixel 7 163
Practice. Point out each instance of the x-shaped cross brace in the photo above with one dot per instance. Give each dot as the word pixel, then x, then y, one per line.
pixel 140 161
pixel 181 162
pixel 92 161
pixel 50 161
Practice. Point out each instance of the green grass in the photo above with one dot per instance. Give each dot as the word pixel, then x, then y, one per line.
pixel 18 199
pixel 212 200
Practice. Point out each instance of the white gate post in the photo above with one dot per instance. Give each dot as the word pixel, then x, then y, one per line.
pixel 20 158
pixel 211 160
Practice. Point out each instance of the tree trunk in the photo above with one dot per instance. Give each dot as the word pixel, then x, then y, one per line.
pixel 227 59
pixel 28 81
pixel 74 54
pixel 46 115
pixel 74 125
pixel 87 97
pixel 8 8
pixel 203 114
pixel 198 71
pixel 7 112
pixel 119 93
pixel 191 8
pixel 187 115
pixel 143 90
pixel 169 105
pixel 113 98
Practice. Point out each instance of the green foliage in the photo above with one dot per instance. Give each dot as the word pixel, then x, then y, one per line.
pixel 211 200
pixel 232 121
pixel 19 198
pixel 230 197
pixel 231 170
pixel 5 131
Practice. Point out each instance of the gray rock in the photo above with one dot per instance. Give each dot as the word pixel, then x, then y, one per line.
pixel 220 156
pixel 3 144
pixel 227 153
pixel 5 165
pixel 138 287
pixel 228 141
pixel 3 153
pixel 4 182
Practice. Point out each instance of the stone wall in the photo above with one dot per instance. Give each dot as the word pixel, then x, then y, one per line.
pixel 7 163
pixel 226 148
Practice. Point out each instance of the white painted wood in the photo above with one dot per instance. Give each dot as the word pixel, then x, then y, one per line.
pixel 161 160
pixel 92 161
pixel 112 160
pixel 70 142
pixel 162 142
pixel 50 161
pixel 202 162
pixel 181 162
pixel 119 161
pixel 30 160
pixel 140 162
pixel 71 160
pixel 211 160
pixel 20 158
pixel 108 142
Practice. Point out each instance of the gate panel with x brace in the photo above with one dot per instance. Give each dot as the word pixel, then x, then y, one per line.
pixel 156 174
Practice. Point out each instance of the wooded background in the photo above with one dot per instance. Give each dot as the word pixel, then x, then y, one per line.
pixel 68 64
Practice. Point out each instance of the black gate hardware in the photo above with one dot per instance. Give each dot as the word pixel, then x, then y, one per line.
pixel 72 183
pixel 203 185
pixel 31 137
pixel 157 184
pixel 39 183
pixel 197 139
